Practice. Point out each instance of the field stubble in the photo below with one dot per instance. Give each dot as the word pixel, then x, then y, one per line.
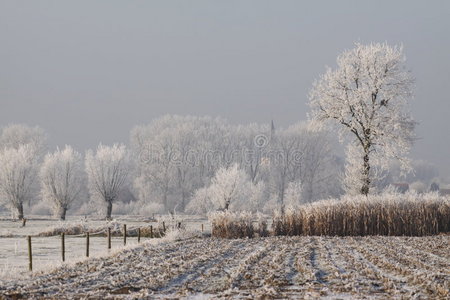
pixel 276 267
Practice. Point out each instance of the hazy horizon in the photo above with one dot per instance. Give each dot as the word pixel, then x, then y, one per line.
pixel 88 72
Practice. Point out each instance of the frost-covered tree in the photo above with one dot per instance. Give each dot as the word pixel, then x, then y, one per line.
pixel 285 160
pixel 107 169
pixel 293 195
pixel 201 202
pixel 367 96
pixel 301 154
pixel 17 173
pixel 257 196
pixel 178 155
pixel 175 155
pixel 229 185
pixel 16 135
pixel 254 142
pixel 61 179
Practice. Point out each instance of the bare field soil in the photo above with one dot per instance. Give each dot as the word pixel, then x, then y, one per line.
pixel 268 268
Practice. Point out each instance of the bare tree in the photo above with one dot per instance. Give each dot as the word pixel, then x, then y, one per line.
pixel 107 171
pixel 367 97
pixel 154 152
pixel 286 157
pixel 61 179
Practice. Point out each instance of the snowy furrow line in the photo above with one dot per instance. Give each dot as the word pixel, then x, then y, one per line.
pixel 410 257
pixel 412 279
pixel 435 248
pixel 434 283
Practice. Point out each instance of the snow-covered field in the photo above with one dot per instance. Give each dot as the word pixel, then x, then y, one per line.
pixel 275 267
pixel 47 249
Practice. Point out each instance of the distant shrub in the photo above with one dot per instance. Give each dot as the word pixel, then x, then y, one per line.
pixel 137 208
pixel 387 214
pixel 231 225
pixel 41 208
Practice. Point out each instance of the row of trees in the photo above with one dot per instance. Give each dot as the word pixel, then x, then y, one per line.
pixel 60 174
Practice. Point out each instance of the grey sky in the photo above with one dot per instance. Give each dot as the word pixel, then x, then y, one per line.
pixel 88 71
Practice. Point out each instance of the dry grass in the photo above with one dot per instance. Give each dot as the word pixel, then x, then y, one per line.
pixel 393 214
pixel 237 225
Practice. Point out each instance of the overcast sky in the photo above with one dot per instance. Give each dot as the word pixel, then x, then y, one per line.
pixel 88 71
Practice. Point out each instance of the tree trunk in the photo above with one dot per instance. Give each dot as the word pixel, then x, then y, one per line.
pixel 183 200
pixel 108 210
pixel 62 213
pixel 19 208
pixel 227 205
pixel 164 198
pixel 366 175
pixel 281 196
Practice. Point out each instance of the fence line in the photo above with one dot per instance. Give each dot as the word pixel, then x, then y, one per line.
pixel 87 234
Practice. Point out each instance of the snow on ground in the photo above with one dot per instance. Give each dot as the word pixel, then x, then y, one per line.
pixel 275 267
pixel 47 249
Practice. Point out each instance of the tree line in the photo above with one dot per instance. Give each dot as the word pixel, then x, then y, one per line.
pixel 177 163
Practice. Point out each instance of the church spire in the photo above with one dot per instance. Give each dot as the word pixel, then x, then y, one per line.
pixel 272 130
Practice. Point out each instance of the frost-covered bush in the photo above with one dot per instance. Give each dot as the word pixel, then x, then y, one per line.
pixel 201 202
pixel 409 214
pixel 81 227
pixel 418 186
pixel 41 208
pixel 89 208
pixel 230 189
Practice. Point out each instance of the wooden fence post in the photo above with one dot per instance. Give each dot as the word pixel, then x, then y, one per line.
pixel 87 244
pixel 109 238
pixel 124 234
pixel 151 231
pixel 63 247
pixel 164 227
pixel 202 227
pixel 139 234
pixel 24 221
pixel 30 255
